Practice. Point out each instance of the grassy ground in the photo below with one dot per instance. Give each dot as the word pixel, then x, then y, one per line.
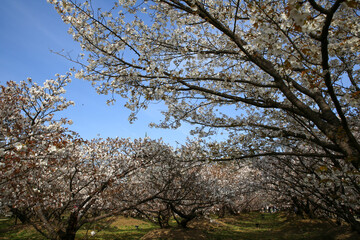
pixel 279 226
pixel 245 226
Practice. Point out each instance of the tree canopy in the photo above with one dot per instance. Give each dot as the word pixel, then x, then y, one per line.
pixel 280 77
pixel 287 70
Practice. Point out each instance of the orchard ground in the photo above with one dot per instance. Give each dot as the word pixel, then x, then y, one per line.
pixel 252 225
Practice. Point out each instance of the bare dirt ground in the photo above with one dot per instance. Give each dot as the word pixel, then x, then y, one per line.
pixel 176 234
pixel 195 231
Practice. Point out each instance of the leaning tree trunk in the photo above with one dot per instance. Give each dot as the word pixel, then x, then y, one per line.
pixel 349 218
pixel 21 215
pixel 70 232
pixel 186 218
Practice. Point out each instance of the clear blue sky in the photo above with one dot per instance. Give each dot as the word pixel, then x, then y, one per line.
pixel 29 30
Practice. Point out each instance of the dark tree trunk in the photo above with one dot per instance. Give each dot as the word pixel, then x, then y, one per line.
pixel 355 225
pixel 71 229
pixel 19 214
pixel 163 219
pixel 298 207
pixel 186 218
pixel 185 221
pixel 349 218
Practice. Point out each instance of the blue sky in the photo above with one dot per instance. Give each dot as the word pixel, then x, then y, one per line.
pixel 30 29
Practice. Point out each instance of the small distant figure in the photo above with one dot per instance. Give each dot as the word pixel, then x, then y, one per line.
pixel 296 210
pixel 271 209
pixel 137 227
pixel 257 225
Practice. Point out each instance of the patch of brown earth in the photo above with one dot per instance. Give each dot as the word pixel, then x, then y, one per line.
pixel 207 224
pixel 125 221
pixel 175 234
pixel 196 231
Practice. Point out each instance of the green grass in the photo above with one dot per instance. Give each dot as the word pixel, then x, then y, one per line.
pixel 278 226
pixel 118 228
pixel 121 229
pixel 245 226
pixel 8 230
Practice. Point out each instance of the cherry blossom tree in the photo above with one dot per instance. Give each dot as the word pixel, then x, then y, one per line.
pixel 32 140
pixel 313 186
pixel 28 128
pixel 292 64
pixel 50 177
pixel 187 186
pixel 184 193
pixel 281 77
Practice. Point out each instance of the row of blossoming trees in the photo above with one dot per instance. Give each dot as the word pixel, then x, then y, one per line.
pixel 280 77
pixel 56 181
